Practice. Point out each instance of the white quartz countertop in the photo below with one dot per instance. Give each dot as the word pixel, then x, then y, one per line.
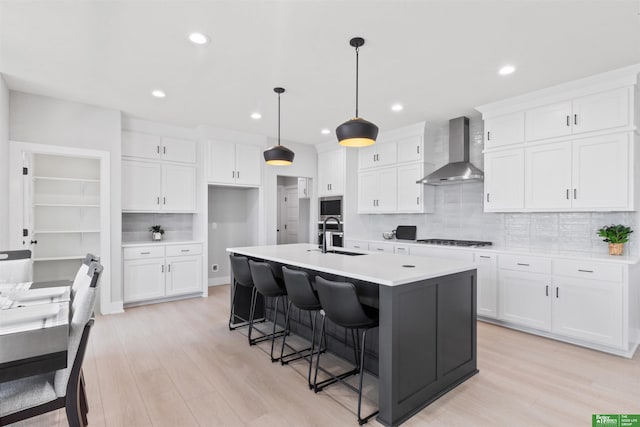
pixel 160 243
pixel 594 256
pixel 380 268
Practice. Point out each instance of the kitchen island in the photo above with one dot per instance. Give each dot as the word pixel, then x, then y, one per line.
pixel 427 332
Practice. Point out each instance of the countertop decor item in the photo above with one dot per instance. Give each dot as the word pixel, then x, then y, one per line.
pixel 616 236
pixel 357 132
pixel 388 235
pixel 278 155
pixel 156 232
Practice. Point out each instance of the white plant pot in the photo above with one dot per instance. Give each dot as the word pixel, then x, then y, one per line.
pixel 156 236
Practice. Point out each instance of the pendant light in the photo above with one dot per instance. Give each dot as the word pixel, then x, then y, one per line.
pixel 279 155
pixel 357 132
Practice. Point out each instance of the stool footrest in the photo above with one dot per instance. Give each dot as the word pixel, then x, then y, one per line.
pixel 335 378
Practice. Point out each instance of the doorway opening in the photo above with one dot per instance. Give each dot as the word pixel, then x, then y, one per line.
pixel 294 209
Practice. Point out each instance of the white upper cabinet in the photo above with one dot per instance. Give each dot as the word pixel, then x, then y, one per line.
pixel 413 197
pixel 153 147
pixel 331 172
pixel 151 186
pixel 411 149
pixel 548 121
pixel 504 130
pixel 380 154
pixel 601 173
pixel 231 163
pixel 604 110
pixel 504 180
pixel 303 188
pixel 377 191
pixel 547 177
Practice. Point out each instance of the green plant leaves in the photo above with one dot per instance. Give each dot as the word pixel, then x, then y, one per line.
pixel 615 233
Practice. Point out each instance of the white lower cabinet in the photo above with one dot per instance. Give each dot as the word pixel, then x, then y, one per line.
pixel 487 284
pixel 524 298
pixel 382 247
pixel 161 271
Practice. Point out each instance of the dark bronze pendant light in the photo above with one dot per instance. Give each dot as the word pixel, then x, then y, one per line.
pixel 279 155
pixel 357 132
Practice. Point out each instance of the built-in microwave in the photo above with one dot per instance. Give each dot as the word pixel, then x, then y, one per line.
pixel 330 206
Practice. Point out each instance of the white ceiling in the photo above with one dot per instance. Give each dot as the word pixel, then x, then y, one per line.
pixel 438 58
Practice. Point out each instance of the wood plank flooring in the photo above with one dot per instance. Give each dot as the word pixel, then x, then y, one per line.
pixel 177 364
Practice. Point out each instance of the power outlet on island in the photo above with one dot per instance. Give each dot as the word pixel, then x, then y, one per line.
pixel 214 267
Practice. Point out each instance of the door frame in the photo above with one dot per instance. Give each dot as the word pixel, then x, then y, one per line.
pixel 16 210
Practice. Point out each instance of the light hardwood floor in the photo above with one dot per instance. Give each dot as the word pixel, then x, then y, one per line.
pixel 177 364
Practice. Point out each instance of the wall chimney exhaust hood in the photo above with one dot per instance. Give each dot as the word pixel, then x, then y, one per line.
pixel 459 169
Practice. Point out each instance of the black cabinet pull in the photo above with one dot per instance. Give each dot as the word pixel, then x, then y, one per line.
pixel 586 271
pixel 488 136
pixel 567 194
pixel 417 149
pixel 485 256
pixel 546 291
pixel 158 149
pixel 158 199
pixel 145 253
pixel 575 119
pixel 185 250
pixel 575 193
pixel 34 242
pixel 523 264
pixel 568 122
pixel 163 268
pixel 164 200
pixel 557 296
pixel 169 267
pixel 487 197
pixel 164 149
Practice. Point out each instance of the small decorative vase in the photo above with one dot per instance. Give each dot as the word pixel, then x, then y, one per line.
pixel 616 248
pixel 156 236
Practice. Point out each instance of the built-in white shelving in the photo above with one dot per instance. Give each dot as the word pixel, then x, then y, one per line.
pixel 63 231
pixel 57 178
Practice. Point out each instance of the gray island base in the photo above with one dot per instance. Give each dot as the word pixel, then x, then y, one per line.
pixel 426 342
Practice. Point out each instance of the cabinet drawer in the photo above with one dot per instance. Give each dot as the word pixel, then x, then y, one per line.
pixel 588 270
pixel 181 250
pixel 402 249
pixel 142 252
pixel 381 247
pixel 525 263
pixel 357 244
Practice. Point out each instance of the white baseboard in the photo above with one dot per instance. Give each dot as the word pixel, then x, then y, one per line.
pixel 217 281
pixel 112 308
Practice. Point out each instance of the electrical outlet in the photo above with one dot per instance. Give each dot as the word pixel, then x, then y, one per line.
pixel 214 267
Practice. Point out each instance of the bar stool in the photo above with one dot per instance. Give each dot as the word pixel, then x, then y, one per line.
pixel 242 277
pixel 267 285
pixel 341 305
pixel 301 294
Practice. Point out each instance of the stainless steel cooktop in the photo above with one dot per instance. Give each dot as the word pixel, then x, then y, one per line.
pixel 452 242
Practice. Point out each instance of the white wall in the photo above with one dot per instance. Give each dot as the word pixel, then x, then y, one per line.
pixel 304 165
pixel 4 164
pixel 45 120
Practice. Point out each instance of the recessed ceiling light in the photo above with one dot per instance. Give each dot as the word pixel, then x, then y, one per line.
pixel 256 116
pixel 325 131
pixel 397 107
pixel 158 93
pixel 198 38
pixel 507 69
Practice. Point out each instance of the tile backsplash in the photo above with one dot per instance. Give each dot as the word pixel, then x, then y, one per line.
pixel 176 226
pixel 459 214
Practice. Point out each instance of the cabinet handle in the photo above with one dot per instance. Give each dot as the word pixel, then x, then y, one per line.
pixel 523 264
pixel 417 149
pixel 185 250
pixel 488 136
pixel 162 268
pixel 164 149
pixel 169 267
pixel 586 271
pixel 557 290
pixel 418 200
pixel 145 253
pixel 546 291
pixel 158 149
pixel 233 174
pixel 568 121
pixel 164 200
pixel 567 194
pixel 380 249
pixel 485 256
pixel 575 193
pixel 488 198
pixel 158 199
pixel 575 119
pixel 356 246
pixel 238 174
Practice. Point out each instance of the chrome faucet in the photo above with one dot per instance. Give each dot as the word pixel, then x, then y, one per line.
pixel 324 232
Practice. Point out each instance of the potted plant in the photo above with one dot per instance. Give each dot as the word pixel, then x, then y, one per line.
pixel 156 232
pixel 616 236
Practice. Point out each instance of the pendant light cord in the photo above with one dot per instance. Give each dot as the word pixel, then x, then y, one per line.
pixel 357 52
pixel 278 119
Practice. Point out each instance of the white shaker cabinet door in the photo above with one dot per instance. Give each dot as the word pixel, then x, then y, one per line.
pixel 248 164
pixel 601 173
pixel 367 157
pixel 141 145
pixel 367 191
pixel 410 149
pixel 179 188
pixel 143 279
pixel 184 275
pixel 179 150
pixel 487 284
pixel 504 180
pixel 141 186
pixel 604 110
pixel 588 309
pixel 504 130
pixel 548 176
pixel 222 162
pixel 410 193
pixel 387 190
pixel 525 298
pixel 549 121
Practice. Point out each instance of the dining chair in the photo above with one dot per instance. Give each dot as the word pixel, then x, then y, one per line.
pixel 16 266
pixel 32 396
pixel 82 271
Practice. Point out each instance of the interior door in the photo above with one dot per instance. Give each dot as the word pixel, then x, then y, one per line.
pixel 291 214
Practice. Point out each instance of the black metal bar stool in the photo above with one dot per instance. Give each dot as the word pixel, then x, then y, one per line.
pixel 242 277
pixel 340 304
pixel 268 286
pixel 301 294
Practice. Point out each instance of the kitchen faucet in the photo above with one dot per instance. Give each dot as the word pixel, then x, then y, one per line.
pixel 324 232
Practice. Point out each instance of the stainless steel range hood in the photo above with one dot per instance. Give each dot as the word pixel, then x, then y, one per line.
pixel 459 169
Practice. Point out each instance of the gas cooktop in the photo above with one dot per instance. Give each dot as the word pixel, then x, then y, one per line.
pixel 451 242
